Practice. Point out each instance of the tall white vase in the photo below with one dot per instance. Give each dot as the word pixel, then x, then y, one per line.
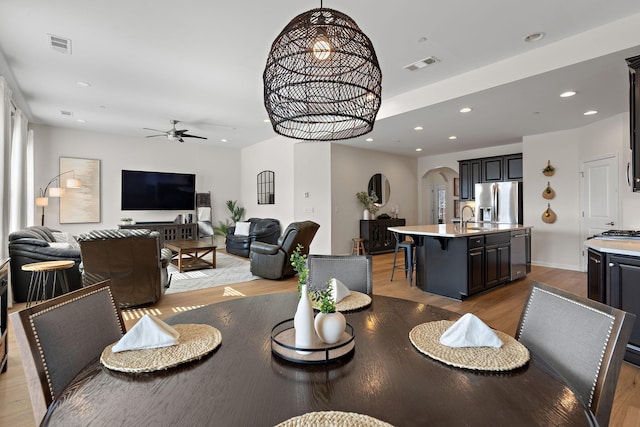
pixel 303 322
pixel 365 214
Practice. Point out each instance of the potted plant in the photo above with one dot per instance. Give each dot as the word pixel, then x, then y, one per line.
pixel 329 323
pixel 303 319
pixel 126 221
pixel 549 169
pixel 369 203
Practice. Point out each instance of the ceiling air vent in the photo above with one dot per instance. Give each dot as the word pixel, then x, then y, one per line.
pixel 429 60
pixel 59 44
pixel 66 113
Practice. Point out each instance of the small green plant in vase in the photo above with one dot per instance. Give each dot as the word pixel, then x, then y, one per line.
pixel 299 264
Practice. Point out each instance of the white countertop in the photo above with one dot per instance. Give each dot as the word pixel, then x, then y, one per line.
pixel 451 230
pixel 615 246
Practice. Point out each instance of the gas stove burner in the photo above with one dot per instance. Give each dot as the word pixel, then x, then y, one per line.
pixel 620 234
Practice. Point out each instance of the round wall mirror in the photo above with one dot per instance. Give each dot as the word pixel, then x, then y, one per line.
pixel 379 184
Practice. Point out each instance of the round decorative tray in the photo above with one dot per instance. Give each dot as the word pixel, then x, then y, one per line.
pixel 283 345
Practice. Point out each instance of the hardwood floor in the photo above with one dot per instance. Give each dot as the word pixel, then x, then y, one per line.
pixel 499 308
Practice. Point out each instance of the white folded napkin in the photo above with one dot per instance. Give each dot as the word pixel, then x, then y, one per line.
pixel 338 290
pixel 148 332
pixel 469 331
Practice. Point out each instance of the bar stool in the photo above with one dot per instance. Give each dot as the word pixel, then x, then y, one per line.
pixel 357 246
pixel 409 257
pixel 40 275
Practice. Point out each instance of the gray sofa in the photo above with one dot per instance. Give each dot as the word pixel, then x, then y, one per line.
pixel 38 244
pixel 266 230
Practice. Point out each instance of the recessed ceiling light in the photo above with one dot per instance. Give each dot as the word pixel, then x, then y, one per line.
pixel 453 137
pixel 84 84
pixel 81 120
pixel 534 37
pixel 418 128
pixel 267 121
pixel 418 149
pixel 369 139
pixel 568 93
pixel 223 140
pixel 465 110
pixel 590 112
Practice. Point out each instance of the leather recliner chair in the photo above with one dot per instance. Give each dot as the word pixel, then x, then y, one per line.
pixel 273 261
pixel 131 259
pixel 265 230
pixel 34 244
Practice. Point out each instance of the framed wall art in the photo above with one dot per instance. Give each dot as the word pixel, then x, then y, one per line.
pixel 81 205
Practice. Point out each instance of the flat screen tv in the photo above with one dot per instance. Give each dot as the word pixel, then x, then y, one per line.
pixel 142 190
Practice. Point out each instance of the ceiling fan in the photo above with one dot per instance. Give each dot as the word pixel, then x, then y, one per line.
pixel 174 134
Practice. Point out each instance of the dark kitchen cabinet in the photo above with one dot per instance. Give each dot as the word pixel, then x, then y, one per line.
pixel 512 167
pixel 633 172
pixel 492 169
pixel 470 173
pixel 377 238
pixel 497 265
pixel 487 169
pixel 623 280
pixel 595 276
pixel 614 279
pixel 476 265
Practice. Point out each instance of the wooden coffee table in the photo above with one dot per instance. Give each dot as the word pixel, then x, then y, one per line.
pixel 190 253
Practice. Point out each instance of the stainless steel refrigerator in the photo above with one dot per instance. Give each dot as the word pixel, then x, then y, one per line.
pixel 499 202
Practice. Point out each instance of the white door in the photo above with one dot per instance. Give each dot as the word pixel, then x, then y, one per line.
pixel 600 204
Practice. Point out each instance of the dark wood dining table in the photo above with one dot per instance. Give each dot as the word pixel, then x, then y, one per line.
pixel 242 383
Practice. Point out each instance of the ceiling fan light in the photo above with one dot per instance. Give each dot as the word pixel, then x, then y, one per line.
pixel 322 80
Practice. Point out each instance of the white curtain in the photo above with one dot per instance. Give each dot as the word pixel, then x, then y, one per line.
pixel 5 139
pixel 18 173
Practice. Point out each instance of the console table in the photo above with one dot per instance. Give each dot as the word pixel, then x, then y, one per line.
pixel 4 289
pixel 169 230
pixel 377 239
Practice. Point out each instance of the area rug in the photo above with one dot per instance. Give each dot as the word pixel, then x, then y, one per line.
pixel 229 269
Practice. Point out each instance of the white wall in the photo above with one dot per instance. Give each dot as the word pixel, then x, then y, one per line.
pixel 276 155
pixel 351 169
pixel 554 245
pixel 217 170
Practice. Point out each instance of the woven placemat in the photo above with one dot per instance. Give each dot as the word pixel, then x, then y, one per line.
pixel 333 419
pixel 195 341
pixel 354 301
pixel 426 338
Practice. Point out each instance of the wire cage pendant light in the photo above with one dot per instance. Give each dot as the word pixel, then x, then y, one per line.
pixel 322 81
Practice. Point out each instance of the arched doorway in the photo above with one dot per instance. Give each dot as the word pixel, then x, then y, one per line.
pixel 438 196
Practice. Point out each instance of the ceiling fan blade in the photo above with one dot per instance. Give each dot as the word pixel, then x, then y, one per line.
pixel 155 130
pixel 182 131
pixel 151 136
pixel 193 136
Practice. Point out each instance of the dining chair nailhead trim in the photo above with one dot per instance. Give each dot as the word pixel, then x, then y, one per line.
pixel 53 307
pixel 606 341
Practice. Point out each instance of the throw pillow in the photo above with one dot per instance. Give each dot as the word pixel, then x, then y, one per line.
pixel 66 238
pixel 59 245
pixel 242 228
pixel 205 228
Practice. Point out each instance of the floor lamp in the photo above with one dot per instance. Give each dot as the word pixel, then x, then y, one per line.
pixel 43 200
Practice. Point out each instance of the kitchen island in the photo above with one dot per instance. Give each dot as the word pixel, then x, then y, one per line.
pixel 457 262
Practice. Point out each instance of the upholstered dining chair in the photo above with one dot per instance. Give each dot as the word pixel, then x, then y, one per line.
pixel 59 337
pixel 354 271
pixel 583 340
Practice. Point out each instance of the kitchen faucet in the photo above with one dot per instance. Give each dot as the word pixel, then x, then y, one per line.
pixel 473 214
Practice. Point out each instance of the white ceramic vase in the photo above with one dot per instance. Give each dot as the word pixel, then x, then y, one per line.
pixel 303 322
pixel 330 326
pixel 365 214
